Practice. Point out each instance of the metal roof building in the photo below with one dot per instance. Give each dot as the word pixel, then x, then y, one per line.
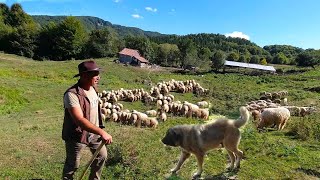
pixel 248 65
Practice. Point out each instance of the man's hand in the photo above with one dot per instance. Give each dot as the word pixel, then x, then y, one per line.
pixel 106 137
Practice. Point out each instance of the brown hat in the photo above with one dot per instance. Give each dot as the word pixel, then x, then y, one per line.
pixel 87 66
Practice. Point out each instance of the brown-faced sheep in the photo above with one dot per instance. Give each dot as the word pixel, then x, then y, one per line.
pixel 274 116
pixel 202 113
pixel 153 122
pixel 255 115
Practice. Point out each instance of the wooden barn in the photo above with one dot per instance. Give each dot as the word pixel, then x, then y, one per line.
pixel 132 57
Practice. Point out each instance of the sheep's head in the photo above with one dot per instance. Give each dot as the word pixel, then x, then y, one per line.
pixel 260 125
pixel 255 115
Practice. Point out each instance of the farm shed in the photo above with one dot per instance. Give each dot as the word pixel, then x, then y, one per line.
pixel 249 65
pixel 132 57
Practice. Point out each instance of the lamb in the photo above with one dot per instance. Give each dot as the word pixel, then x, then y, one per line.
pixel 274 116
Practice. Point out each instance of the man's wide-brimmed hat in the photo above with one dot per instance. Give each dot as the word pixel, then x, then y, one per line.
pixel 87 66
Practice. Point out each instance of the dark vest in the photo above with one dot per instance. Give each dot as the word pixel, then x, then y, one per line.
pixel 72 131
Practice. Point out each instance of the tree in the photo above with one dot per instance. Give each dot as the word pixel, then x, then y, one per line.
pixel 290 52
pixel 142 44
pixel 102 43
pixel 205 58
pixel 255 59
pixel 46 42
pixel 69 39
pixel 168 54
pixel 4 13
pixel 233 56
pixel 307 59
pixel 242 58
pixel 218 60
pixel 280 58
pixel 174 54
pixel 263 61
pixel 22 41
pixel 191 58
pixel 17 17
pixel 188 52
pixel 5 28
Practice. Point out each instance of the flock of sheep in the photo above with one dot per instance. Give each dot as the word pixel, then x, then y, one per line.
pixel 272 110
pixel 158 96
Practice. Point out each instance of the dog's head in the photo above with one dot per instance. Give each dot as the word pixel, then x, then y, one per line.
pixel 172 137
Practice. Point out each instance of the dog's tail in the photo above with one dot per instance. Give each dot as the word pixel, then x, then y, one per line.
pixel 244 117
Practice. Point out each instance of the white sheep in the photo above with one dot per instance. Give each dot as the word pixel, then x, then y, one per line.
pixel 163 116
pixel 151 113
pixel 274 116
pixel 203 104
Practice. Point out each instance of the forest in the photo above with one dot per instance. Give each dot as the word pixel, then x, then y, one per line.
pixel 60 38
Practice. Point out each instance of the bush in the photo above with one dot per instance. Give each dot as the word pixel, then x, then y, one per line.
pixel 115 155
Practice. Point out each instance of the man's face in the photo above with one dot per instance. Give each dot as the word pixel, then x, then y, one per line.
pixel 93 77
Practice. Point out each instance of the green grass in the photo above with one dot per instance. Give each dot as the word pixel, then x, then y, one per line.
pixel 31 117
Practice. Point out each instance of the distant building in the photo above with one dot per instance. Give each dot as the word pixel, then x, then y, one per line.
pixel 251 66
pixel 132 57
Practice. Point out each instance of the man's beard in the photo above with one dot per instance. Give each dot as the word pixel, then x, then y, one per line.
pixel 95 85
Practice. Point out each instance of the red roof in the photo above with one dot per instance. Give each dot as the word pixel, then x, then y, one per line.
pixel 133 53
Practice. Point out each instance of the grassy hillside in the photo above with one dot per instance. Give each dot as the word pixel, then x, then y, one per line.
pixel 31 116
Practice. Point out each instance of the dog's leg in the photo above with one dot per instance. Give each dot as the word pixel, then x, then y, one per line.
pixel 239 155
pixel 200 163
pixel 184 155
pixel 232 159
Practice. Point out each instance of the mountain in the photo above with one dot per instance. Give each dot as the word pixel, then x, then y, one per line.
pixel 91 23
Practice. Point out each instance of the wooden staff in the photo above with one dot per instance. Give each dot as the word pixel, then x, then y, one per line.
pixel 92 159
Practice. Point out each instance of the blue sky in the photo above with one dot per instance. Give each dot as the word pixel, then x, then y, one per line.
pixel 264 22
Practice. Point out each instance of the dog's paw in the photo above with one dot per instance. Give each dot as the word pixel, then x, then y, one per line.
pixel 196 175
pixel 173 171
pixel 230 167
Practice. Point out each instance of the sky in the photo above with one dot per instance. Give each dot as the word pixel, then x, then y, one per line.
pixel 264 22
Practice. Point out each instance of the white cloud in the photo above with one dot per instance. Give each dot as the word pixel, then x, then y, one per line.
pixel 172 11
pixel 116 1
pixel 136 16
pixel 237 34
pixel 151 9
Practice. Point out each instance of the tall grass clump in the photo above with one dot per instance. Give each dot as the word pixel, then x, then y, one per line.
pixel 305 128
